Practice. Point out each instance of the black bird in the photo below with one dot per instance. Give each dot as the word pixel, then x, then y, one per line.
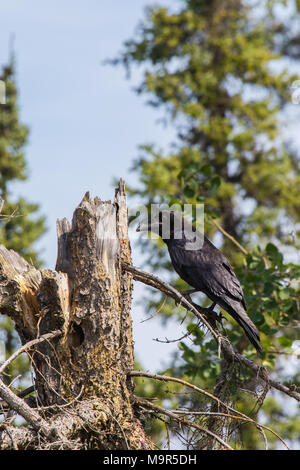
pixel 199 263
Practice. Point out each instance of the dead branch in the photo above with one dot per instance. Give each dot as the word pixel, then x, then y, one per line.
pixel 182 421
pixel 263 374
pixel 227 349
pixel 31 416
pixel 246 419
pixel 166 378
pixel 235 414
pixel 230 237
pixel 27 346
pixel 154 281
pixel 67 427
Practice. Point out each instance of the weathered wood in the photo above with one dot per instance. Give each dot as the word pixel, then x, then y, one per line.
pixel 88 298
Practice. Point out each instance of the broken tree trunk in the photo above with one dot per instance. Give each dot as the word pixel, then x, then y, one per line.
pixel 80 376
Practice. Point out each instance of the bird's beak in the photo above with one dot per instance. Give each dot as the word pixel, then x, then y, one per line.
pixel 142 228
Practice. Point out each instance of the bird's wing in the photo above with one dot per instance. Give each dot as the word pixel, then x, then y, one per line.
pixel 208 270
pixel 223 280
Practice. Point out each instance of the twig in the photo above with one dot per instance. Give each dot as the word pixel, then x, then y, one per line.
pixel 28 345
pixel 183 421
pixel 239 414
pixel 166 378
pixel 154 281
pixel 64 405
pixel 31 416
pixel 5 428
pixel 246 419
pixel 230 237
pixel 262 373
pixel 177 339
pixel 19 405
pixel 227 349
pixel 155 313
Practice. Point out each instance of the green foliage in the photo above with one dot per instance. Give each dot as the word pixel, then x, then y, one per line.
pixel 214 70
pixel 217 70
pixel 148 388
pixel 20 224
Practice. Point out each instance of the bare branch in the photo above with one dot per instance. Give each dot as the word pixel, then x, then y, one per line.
pixel 245 419
pixel 154 281
pixel 230 237
pixel 31 416
pixel 237 414
pixel 28 345
pixel 186 335
pixel 226 347
pixel 263 374
pixel 166 378
pixel 185 422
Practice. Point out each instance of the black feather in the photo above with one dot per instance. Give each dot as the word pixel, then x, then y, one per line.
pixel 207 270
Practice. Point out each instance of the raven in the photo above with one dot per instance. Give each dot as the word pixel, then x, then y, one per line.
pixel 199 263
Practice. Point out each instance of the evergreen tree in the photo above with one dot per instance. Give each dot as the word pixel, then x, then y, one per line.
pixel 213 66
pixel 20 225
pixel 217 69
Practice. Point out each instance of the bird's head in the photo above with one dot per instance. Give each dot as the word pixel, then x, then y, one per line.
pixel 161 223
pixel 167 224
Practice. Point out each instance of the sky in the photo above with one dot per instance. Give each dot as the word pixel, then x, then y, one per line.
pixel 85 120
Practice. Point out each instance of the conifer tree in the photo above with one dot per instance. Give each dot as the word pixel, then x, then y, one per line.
pixel 20 224
pixel 217 70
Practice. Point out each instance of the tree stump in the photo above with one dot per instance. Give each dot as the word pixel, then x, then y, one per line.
pixel 88 299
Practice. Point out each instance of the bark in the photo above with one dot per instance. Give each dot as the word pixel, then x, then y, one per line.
pixel 83 389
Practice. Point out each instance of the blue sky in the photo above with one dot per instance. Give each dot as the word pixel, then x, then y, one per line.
pixel 84 118
pixel 85 121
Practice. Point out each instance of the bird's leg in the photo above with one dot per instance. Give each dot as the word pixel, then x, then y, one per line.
pixel 210 310
pixel 217 316
pixel 188 298
pixel 186 294
pixel 212 306
pixel 220 320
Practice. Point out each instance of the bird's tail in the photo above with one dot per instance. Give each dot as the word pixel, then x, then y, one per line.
pixel 240 315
